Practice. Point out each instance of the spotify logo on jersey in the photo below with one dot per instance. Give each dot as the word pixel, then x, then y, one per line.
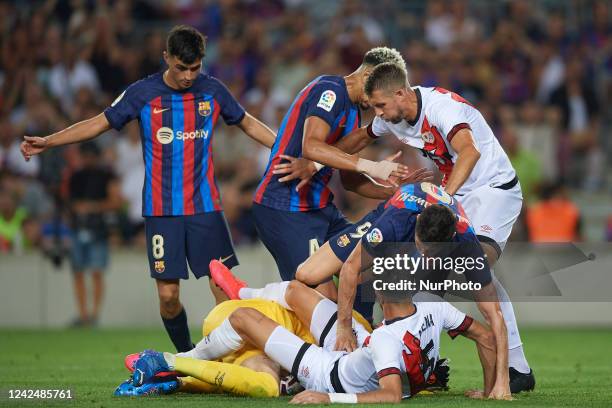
pixel 165 135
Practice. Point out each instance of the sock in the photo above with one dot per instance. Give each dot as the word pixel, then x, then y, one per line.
pixel 220 342
pixel 230 378
pixel 519 362
pixel 179 331
pixel 272 291
pixel 517 359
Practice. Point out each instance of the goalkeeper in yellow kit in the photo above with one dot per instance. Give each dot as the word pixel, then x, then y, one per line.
pixel 247 371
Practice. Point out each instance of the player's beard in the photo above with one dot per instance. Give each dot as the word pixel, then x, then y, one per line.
pixel 396 119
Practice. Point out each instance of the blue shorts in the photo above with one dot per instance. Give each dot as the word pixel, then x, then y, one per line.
pixel 88 253
pixel 343 243
pixel 197 239
pixel 289 235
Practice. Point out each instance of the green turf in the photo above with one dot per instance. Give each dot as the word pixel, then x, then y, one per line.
pixel 573 368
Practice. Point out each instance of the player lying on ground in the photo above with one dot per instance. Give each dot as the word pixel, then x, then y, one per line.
pixel 407 344
pixel 247 371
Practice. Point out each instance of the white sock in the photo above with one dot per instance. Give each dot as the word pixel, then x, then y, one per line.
pixel 519 362
pixel 171 358
pixel 272 291
pixel 220 342
pixel 515 359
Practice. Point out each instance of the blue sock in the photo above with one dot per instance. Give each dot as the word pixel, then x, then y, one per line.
pixel 179 331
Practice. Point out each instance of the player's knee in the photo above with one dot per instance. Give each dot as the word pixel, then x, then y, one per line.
pixel 294 289
pixel 302 274
pixel 240 316
pixel 169 297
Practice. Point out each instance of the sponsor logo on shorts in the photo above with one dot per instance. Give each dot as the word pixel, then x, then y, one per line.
pixel 486 228
pixel 222 260
pixel 204 108
pixel 305 372
pixel 160 266
pixel 343 241
pixel 375 237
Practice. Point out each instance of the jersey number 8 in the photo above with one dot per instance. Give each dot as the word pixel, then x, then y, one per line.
pixel 157 246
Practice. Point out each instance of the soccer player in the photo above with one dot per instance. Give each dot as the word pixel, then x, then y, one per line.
pixel 293 222
pixel 247 371
pixel 407 344
pixel 177 111
pixel 477 171
pixel 403 218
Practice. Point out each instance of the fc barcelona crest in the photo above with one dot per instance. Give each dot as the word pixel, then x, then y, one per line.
pixel 204 108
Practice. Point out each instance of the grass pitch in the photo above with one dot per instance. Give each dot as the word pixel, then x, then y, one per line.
pixel 573 367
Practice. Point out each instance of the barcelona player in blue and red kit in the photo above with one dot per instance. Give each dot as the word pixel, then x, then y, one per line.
pixel 177 111
pixel 293 221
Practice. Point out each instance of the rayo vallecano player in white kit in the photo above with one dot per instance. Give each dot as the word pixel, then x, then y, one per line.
pixel 454 134
pixel 404 350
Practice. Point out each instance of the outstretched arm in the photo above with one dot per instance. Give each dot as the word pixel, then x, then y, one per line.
pixel 316 149
pixel 81 131
pixel 355 141
pixel 257 130
pixel 389 391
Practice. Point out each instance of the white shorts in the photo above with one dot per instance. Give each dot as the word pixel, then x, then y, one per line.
pixel 324 323
pixel 310 364
pixel 492 212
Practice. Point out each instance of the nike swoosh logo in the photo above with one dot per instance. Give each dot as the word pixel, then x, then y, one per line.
pixel 222 260
pixel 156 111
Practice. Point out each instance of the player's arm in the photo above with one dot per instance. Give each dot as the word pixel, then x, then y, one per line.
pixel 485 344
pixel 358 183
pixel 314 148
pixel 488 305
pixel 389 391
pixel 257 130
pixel 467 156
pixel 79 132
pixel 347 288
pixel 355 141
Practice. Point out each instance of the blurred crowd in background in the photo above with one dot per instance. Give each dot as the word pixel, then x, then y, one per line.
pixel 539 71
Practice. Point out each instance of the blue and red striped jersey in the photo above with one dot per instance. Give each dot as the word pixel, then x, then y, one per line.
pixel 398 222
pixel 176 129
pixel 327 98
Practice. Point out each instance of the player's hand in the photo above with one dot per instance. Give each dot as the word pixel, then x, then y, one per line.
pixel 310 397
pixel 500 392
pixel 438 380
pixel 417 176
pixel 295 168
pixel 32 145
pixel 345 339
